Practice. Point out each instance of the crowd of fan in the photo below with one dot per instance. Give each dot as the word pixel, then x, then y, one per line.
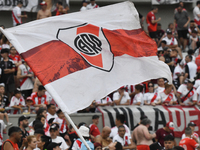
pixel 50 131
pixel 22 92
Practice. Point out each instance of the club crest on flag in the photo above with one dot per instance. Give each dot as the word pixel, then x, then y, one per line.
pixel 90 43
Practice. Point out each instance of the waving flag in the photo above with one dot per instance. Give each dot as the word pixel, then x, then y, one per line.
pixel 84 56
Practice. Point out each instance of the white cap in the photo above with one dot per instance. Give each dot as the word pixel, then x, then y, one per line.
pixel 84 131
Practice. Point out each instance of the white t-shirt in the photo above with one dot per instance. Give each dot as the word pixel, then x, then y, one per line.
pixel 198 94
pixel 15 13
pixel 49 116
pixel 59 139
pixel 124 99
pixel 196 12
pixel 159 89
pixel 114 131
pixel 104 100
pixel 149 96
pixel 2 127
pixel 124 141
pixel 192 96
pixel 192 68
pixel 177 70
pixel 166 98
pixel 138 98
pixel 83 8
pixel 197 83
pixel 15 101
pixel 171 41
pixel 90 6
pixel 193 135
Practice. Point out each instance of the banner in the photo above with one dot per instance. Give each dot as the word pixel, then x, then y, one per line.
pixel 30 5
pixel 159 116
pixel 161 2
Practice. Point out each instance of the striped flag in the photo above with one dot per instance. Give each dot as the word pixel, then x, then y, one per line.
pixel 84 56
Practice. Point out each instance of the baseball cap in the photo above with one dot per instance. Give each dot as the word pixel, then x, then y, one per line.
pixel 169 31
pixel 84 1
pixel 170 125
pixel 43 3
pixel 122 87
pixel 23 117
pixel 191 81
pixel 191 124
pixel 29 99
pixel 53 145
pixel 84 131
pixel 54 127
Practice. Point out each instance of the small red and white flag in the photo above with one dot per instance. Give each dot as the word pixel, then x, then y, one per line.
pixel 83 56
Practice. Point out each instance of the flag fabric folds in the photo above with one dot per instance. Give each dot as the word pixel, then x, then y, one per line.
pixel 83 56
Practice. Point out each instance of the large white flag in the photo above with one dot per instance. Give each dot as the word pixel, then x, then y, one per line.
pixel 84 56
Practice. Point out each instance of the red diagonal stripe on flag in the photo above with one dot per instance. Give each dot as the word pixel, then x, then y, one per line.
pixel 54 59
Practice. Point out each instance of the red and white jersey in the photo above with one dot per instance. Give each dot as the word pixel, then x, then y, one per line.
pixel 62 124
pixel 191 97
pixel 15 58
pixel 15 101
pixel 104 100
pixel 90 6
pixel 124 99
pixel 38 100
pixel 138 98
pixel 196 12
pixel 114 131
pixel 151 97
pixel 25 83
pixel 198 94
pixel 15 13
pixel 193 135
pixel 77 145
pixel 197 83
pixel 94 130
pixel 159 89
pixel 49 116
pixel 188 144
pixel 177 70
pixel 166 98
pixel 124 141
pixel 2 127
pixel 171 41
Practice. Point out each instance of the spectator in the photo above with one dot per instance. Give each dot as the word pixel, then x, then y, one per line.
pixel 145 138
pixel 196 13
pixel 54 146
pixel 152 22
pixel 141 118
pixel 123 138
pixel 3 112
pixel 15 135
pixel 106 101
pixel 84 5
pixel 161 85
pixel 43 12
pixel 92 5
pixel 54 132
pixel 29 103
pixel 138 98
pixel 78 144
pixel 160 32
pixel 94 130
pixel 182 19
pixel 120 119
pixel 5 43
pixel 194 135
pixel 2 131
pixel 172 42
pixel 168 142
pixel 16 14
pixel 193 26
pixel 186 94
pixel 162 132
pixel 39 133
pixel 151 98
pixel 190 68
pixel 121 97
pixel 17 102
pixel 103 138
pixel 23 124
pixel 25 75
pixel 167 96
pixel 182 4
pixel 178 75
pixel 163 45
pixel 31 142
pixel 39 98
pixel 72 135
pixel 8 68
pixel 5 101
pixel 17 61
pixel 51 112
pixel 193 38
pixel 189 143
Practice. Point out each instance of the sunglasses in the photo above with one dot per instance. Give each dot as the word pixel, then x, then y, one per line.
pixel 151 86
